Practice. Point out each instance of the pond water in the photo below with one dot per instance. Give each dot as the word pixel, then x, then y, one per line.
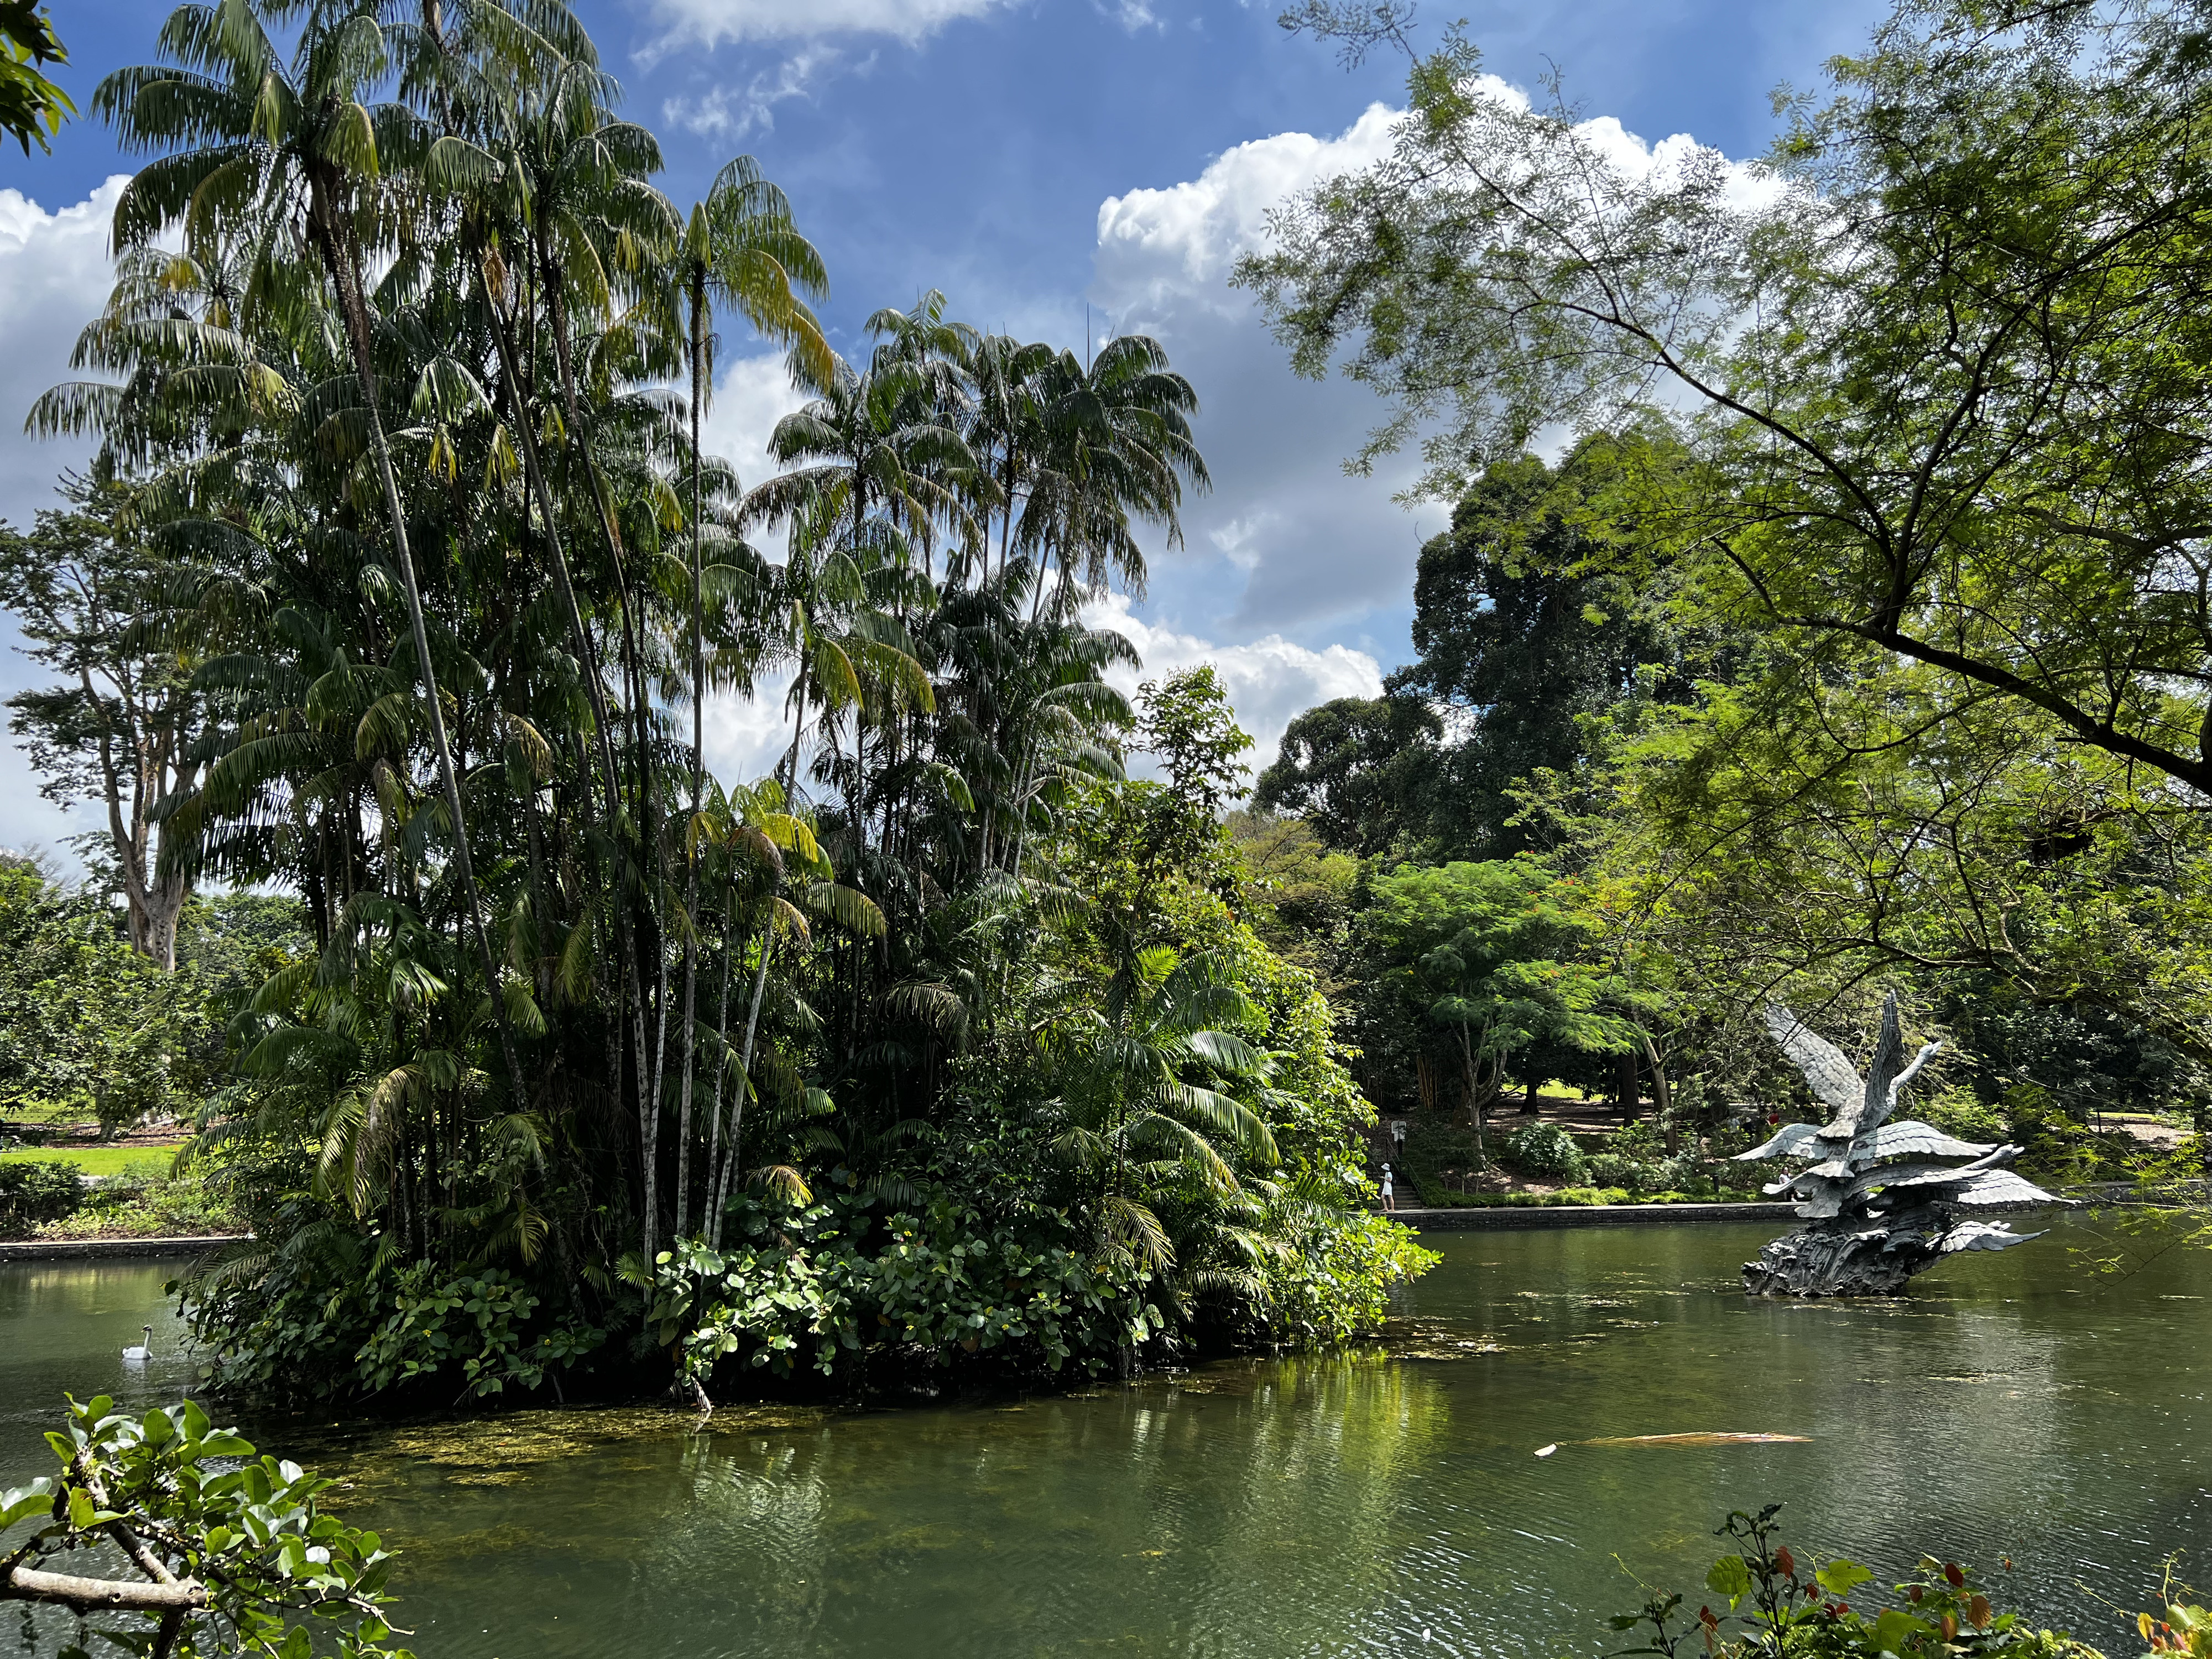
pixel 1377 1502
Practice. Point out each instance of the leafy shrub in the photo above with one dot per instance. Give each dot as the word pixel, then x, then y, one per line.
pixel 1786 1609
pixel 799 1290
pixel 1961 1112
pixel 1617 1170
pixel 1587 1196
pixel 1333 1282
pixel 1432 1147
pixel 145 1201
pixel 948 1281
pixel 36 1191
pixel 1545 1151
pixel 250 1536
pixel 330 1313
pixel 476 1319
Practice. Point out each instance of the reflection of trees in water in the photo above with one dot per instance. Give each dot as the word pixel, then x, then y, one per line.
pixel 1253 1508
pixel 1340 1504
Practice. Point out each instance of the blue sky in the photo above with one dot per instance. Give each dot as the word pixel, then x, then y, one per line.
pixel 1029 158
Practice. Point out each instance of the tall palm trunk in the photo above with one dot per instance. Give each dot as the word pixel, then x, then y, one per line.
pixel 715 1155
pixel 340 259
pixel 745 1055
pixel 698 763
pixel 649 1055
pixel 595 689
pixel 787 773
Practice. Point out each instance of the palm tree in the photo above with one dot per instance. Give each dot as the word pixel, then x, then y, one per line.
pixel 1118 447
pixel 739 249
pixel 1129 1115
pixel 253 141
pixel 1005 426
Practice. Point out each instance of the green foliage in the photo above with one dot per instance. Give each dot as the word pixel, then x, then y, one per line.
pixel 469 1322
pixel 1331 1281
pixel 1533 617
pixel 1300 895
pixel 92 1025
pixel 146 1200
pixel 1186 724
pixel 1882 662
pixel 1773 1605
pixel 36 1191
pixel 944 1283
pixel 1546 1150
pixel 30 105
pixel 203 1545
pixel 1361 770
pixel 430 573
pixel 1500 954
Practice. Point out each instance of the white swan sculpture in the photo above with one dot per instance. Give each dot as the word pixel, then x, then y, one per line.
pixel 139 1353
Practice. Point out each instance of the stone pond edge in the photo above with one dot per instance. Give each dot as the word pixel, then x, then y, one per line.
pixel 1485 1218
pixel 78 1250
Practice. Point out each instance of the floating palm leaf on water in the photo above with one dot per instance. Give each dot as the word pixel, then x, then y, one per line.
pixel 1700 1439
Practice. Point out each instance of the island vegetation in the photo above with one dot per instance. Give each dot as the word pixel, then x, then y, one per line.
pixel 404 586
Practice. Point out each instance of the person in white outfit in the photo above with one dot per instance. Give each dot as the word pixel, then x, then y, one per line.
pixel 1389 1192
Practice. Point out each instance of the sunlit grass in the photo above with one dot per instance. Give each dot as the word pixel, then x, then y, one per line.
pixel 99 1160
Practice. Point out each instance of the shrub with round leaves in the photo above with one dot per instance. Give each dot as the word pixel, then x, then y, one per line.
pixel 187 1542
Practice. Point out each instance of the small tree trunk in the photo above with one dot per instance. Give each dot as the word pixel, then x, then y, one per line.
pixel 1474 1100
pixel 745 1055
pixel 715 1154
pixel 1662 1097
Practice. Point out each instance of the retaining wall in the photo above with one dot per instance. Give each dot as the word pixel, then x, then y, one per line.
pixel 78 1250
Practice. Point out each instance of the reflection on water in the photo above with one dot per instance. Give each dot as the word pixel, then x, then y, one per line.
pixel 1340 1505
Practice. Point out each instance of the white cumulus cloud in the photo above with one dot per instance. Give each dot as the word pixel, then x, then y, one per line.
pixel 1270 680
pixel 732 113
pixel 1163 242
pixel 54 277
pixel 709 22
pixel 1285 542
pixel 1303 548
pixel 747 736
pixel 751 394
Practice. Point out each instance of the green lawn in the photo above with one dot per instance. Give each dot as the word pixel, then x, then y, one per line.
pixel 99 1160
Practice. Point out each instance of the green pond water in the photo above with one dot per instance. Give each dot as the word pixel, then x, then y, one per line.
pixel 1385 1502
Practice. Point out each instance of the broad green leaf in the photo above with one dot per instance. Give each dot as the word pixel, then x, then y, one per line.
pixel 1729 1577
pixel 1840 1576
pixel 1894 1628
pixel 20 1503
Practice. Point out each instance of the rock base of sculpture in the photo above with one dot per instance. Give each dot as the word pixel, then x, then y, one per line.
pixel 1845 1258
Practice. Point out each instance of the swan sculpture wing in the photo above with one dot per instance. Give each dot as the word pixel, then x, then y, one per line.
pixel 1790 1140
pixel 1912 1138
pixel 1834 1079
